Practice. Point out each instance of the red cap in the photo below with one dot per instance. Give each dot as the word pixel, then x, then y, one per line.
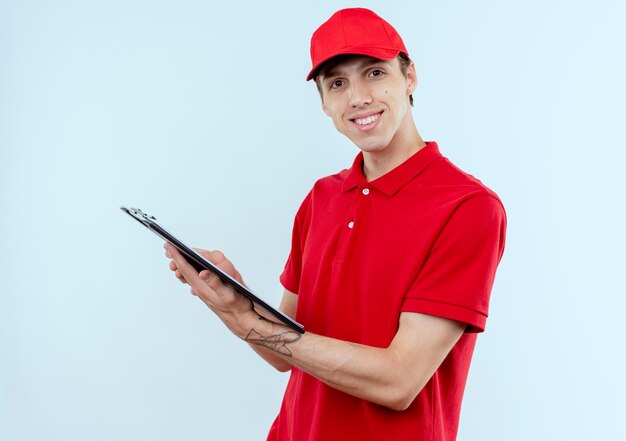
pixel 354 31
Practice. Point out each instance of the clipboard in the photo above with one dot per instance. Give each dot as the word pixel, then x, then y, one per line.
pixel 200 263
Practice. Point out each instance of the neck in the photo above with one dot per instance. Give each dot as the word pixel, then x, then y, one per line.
pixel 404 145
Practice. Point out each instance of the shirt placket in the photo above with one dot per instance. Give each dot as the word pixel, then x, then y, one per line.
pixel 352 224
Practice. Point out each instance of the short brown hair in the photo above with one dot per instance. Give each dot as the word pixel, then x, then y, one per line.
pixel 405 63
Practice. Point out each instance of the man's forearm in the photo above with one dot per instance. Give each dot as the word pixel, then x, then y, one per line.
pixel 268 354
pixel 288 306
pixel 271 358
pixel 361 371
pixel 379 375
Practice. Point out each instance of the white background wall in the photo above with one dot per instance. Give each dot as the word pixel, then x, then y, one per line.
pixel 198 113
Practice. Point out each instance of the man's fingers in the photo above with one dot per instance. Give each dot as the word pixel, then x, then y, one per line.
pixel 217 258
pixel 205 285
pixel 188 274
pixel 211 279
pixel 186 271
pixel 206 253
pixel 174 267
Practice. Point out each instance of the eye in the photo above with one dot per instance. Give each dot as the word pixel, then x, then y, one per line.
pixel 335 84
pixel 376 73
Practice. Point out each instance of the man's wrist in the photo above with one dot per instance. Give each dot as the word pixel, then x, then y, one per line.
pixel 274 336
pixel 246 322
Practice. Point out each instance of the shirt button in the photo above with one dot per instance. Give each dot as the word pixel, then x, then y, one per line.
pixel 350 224
pixel 366 191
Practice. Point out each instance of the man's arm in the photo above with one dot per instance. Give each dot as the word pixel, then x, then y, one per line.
pixel 391 376
pixel 288 305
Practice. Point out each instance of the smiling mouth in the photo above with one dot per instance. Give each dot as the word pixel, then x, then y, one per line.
pixel 365 121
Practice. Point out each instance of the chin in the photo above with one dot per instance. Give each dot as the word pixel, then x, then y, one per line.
pixel 367 143
pixel 371 146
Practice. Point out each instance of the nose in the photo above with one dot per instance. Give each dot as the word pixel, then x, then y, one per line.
pixel 358 94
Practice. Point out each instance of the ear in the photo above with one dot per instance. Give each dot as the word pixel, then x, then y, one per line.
pixel 411 79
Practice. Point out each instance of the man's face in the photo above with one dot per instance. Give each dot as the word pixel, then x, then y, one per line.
pixel 368 100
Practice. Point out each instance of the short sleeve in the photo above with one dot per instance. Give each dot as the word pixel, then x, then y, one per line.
pixel 456 279
pixel 290 277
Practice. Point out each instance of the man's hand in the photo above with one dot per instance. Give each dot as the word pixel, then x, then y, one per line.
pixel 235 310
pixel 216 257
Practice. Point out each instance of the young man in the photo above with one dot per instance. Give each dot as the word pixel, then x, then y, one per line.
pixel 391 266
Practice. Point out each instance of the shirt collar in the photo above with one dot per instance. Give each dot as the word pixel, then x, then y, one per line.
pixel 394 180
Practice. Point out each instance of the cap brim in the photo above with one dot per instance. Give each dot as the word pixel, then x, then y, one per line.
pixel 376 52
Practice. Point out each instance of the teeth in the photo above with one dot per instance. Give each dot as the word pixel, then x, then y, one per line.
pixel 368 120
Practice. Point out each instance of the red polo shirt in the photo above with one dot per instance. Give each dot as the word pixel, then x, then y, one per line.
pixel 425 237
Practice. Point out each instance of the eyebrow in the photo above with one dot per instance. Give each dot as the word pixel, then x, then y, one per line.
pixel 334 72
